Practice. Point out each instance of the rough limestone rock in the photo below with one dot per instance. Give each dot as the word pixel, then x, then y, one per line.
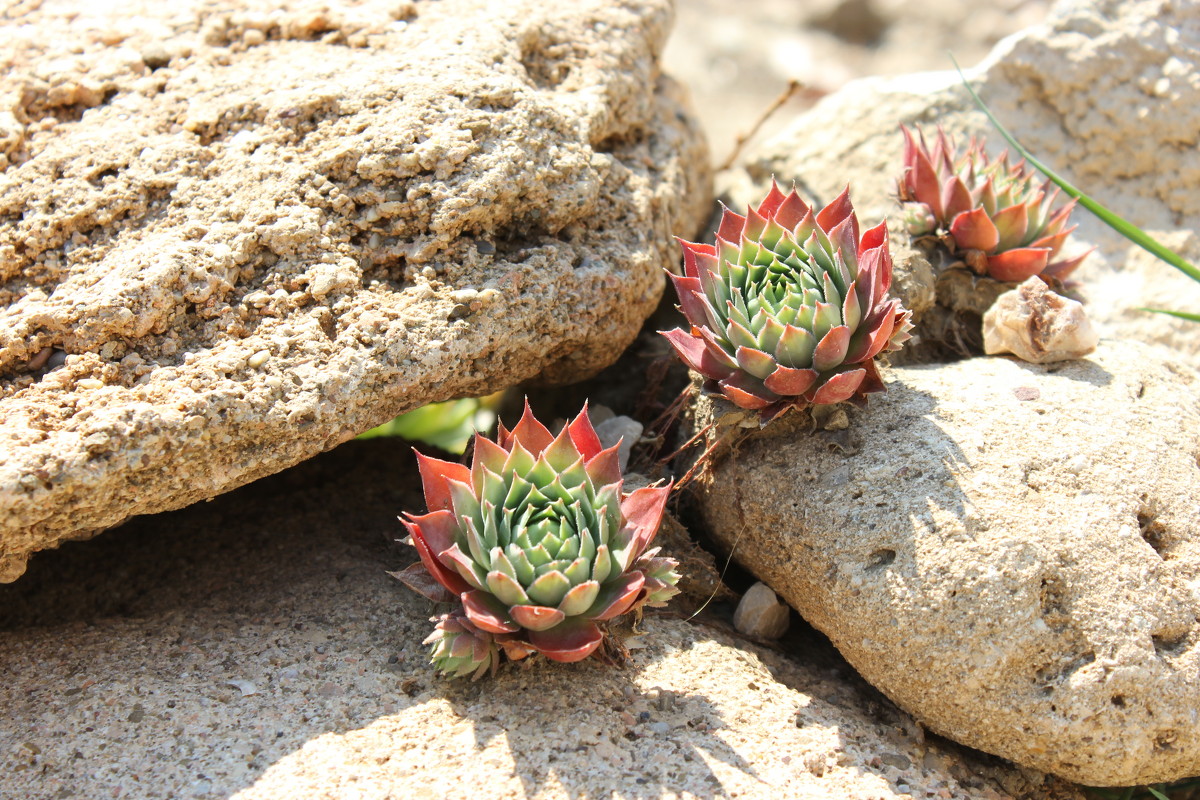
pixel 1107 92
pixel 254 647
pixel 1038 325
pixel 234 234
pixel 1010 552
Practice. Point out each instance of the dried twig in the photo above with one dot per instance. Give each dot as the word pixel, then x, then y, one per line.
pixel 793 87
pixel 688 443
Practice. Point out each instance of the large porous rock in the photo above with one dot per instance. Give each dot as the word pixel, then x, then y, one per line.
pixel 1107 92
pixel 254 647
pixel 1010 552
pixel 235 234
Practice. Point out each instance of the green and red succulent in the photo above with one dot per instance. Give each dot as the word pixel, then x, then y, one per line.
pixel 539 544
pixel 461 649
pixel 790 306
pixel 995 216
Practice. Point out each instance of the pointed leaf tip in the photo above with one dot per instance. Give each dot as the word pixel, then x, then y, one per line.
pixel 583 434
pixel 531 433
pixel 434 474
pixel 643 511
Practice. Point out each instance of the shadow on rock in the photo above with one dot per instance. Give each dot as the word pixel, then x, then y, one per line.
pixel 587 729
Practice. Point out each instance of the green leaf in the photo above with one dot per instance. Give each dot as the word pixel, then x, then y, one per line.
pixel 1181 314
pixel 447 425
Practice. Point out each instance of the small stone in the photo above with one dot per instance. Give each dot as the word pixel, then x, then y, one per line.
pixel 1025 393
pixel 759 613
pixel 155 55
pixel 830 417
pixel 1037 325
pixel 98 442
pixel 39 359
pixel 621 429
pixel 258 359
pixel 89 383
pixel 56 359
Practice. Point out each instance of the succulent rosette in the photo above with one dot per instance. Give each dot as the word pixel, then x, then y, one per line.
pixel 1000 220
pixel 461 649
pixel 789 308
pixel 538 541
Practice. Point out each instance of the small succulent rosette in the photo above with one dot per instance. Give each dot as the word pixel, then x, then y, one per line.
pixel 789 308
pixel 461 649
pixel 993 216
pixel 539 544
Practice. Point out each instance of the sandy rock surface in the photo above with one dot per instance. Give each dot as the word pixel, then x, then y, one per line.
pixel 254 647
pixel 1010 552
pixel 1104 91
pixel 233 235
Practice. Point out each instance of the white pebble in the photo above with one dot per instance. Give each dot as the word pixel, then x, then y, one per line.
pixel 247 688
pixel 759 613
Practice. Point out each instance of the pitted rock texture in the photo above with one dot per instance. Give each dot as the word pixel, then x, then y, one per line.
pixel 254 647
pixel 233 235
pixel 1105 92
pixel 1010 552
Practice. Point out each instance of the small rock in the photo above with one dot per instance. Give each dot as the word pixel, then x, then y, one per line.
pixel 761 614
pixel 1037 325
pixel 39 360
pixel 623 429
pixel 155 55
pixel 57 359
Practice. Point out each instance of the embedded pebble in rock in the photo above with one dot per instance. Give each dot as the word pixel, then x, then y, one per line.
pixel 759 613
pixel 625 430
pixel 1105 92
pixel 1008 551
pixel 255 648
pixel 256 231
pixel 1037 325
